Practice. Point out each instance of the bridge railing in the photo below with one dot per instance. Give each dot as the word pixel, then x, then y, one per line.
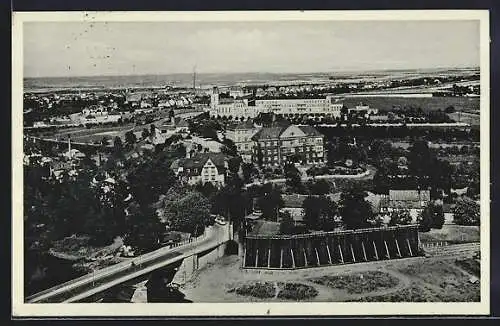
pixel 92 277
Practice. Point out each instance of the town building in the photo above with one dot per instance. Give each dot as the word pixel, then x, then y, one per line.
pixel 363 109
pixel 412 200
pixel 289 106
pixel 241 135
pixel 202 168
pixel 248 107
pixel 277 145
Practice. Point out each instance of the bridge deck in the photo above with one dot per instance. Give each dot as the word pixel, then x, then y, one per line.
pixel 106 278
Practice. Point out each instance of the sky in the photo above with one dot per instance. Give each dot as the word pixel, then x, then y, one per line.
pixel 134 48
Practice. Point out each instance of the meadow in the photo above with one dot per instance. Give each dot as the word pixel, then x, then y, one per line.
pixel 425 103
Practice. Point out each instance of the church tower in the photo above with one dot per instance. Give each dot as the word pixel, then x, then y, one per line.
pixel 214 99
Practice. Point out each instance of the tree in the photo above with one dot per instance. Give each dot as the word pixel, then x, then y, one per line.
pixel 421 159
pixel 145 133
pixel 425 220
pixel 400 217
pixel 355 210
pixel 229 147
pixel 287 225
pixel 270 202
pixel 260 155
pixel 248 171
pixel 437 216
pixel 234 164
pixel 449 109
pixel 130 138
pixel 466 212
pixel 148 180
pixel 293 180
pixel 231 201
pixel 118 146
pixel 319 212
pixel 319 187
pixel 190 213
pixel 431 217
pixel 144 228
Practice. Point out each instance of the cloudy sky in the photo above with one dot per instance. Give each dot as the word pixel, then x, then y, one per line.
pixel 89 49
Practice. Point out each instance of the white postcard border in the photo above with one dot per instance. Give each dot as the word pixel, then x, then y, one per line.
pixel 21 309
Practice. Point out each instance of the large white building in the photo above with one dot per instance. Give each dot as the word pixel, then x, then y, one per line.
pixel 247 107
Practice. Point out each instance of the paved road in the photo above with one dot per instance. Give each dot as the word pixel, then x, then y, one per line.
pixel 107 277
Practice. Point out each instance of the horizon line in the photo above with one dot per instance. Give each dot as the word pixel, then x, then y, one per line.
pixel 259 72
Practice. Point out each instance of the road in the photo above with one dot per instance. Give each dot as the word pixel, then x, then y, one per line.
pixel 105 278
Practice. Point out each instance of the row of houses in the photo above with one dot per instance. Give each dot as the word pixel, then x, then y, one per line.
pixel 414 201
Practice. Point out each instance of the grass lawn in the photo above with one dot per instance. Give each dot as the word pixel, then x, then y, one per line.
pixel 452 234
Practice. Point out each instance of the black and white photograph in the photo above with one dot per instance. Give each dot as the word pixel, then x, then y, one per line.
pixel 250 163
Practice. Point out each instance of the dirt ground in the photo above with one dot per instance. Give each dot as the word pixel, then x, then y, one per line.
pixel 434 279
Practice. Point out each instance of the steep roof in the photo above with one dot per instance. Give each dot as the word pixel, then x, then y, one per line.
pixel 268 133
pixel 245 125
pixel 200 159
pixel 310 131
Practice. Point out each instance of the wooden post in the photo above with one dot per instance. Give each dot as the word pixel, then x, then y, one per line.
pixel 293 258
pixel 269 258
pixel 281 258
pixel 244 257
pixel 397 247
pixel 329 256
pixel 305 256
pixel 317 256
pixel 387 250
pixel 409 246
pixel 257 258
pixel 375 247
pixel 364 250
pixel 341 255
pixel 352 254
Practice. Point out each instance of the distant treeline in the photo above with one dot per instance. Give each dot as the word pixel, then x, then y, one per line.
pixel 429 133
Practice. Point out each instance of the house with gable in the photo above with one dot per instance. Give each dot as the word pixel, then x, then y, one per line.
pixel 202 168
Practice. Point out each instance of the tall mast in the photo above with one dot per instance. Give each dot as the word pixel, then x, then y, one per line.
pixel 194 78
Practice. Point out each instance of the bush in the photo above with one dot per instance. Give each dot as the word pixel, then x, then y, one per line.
pixel 296 291
pixel 359 282
pixel 466 212
pixel 257 290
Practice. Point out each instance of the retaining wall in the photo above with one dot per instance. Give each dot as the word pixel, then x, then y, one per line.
pixel 330 248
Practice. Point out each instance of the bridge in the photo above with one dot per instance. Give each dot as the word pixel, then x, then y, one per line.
pixel 187 257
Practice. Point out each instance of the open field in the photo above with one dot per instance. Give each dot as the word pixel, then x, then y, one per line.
pixel 426 103
pixel 434 279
